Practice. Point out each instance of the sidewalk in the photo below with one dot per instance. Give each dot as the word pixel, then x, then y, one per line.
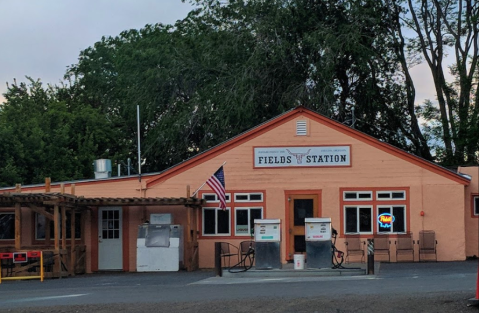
pixel 287 270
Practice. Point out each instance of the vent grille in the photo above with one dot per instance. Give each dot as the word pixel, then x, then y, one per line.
pixel 301 128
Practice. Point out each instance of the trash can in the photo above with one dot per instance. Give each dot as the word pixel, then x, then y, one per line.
pixel 299 261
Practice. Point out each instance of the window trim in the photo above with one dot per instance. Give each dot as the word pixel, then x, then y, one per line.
pixel 249 197
pixel 216 222
pixel 390 192
pixel 249 214
pixel 227 196
pixel 357 221
pixel 357 195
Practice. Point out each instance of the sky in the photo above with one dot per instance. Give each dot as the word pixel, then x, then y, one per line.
pixel 41 38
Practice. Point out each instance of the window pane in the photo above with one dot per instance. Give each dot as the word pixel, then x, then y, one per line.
pixel 399 224
pixel 209 221
pixel 241 197
pixel 364 195
pixel 350 195
pixel 351 220
pixel 40 226
pixel 223 221
pixel 384 220
pixel 254 214
pixel 384 195
pixel 255 197
pixel 398 195
pixel 476 205
pixel 365 220
pixel 209 197
pixel 241 221
pixel 303 208
pixel 7 226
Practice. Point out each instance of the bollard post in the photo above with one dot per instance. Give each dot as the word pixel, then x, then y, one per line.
pixel 218 270
pixel 370 256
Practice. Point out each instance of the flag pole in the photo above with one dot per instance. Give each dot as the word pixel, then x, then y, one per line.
pixel 194 193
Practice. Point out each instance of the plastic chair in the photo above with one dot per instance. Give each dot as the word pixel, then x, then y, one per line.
pixel 227 251
pixel 427 244
pixel 354 247
pixel 404 246
pixel 382 245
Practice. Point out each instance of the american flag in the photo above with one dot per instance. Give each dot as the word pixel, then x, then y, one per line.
pixel 217 183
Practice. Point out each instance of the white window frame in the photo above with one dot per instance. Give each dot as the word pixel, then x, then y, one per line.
pixel 357 195
pixel 370 207
pixel 216 222
pixel 248 234
pixel 475 205
pixel 391 212
pixel 390 192
pixel 9 213
pixel 227 196
pixel 248 194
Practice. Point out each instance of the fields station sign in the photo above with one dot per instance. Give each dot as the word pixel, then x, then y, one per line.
pixel 311 156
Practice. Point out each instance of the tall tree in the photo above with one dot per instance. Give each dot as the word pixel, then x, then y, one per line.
pixel 229 67
pixel 442 27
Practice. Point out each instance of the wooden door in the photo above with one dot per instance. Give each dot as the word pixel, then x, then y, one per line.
pixel 300 207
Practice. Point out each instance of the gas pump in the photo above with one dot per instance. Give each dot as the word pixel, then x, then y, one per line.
pixel 318 242
pixel 267 237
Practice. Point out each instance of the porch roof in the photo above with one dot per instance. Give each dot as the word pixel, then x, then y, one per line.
pixel 49 199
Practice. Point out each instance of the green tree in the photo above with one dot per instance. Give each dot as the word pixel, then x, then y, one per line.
pixel 229 67
pixel 45 134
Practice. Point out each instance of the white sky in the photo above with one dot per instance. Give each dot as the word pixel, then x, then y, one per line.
pixel 40 38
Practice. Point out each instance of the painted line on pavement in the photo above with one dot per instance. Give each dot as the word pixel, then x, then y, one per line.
pixel 45 298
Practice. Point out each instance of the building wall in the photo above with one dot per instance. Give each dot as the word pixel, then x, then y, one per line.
pixel 438 196
pixel 471 221
pixel 441 196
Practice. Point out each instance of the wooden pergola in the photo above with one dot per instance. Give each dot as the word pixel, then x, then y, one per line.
pixel 54 206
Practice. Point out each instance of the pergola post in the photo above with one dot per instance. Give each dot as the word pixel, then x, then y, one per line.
pixel 56 235
pixel 72 245
pixel 18 226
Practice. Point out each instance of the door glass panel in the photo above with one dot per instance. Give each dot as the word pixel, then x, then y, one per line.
pixel 303 208
pixel 299 243
pixel 111 224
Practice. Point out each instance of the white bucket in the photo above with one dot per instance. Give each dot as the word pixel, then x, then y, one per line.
pixel 299 261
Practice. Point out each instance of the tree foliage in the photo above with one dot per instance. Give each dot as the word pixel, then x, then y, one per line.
pixel 229 66
pixel 445 27
pixel 44 133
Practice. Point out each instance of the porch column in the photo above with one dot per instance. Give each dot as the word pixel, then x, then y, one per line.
pixel 18 226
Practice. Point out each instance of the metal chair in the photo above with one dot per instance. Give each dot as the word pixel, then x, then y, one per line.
pixel 227 251
pixel 404 246
pixel 382 245
pixel 245 250
pixel 354 247
pixel 427 244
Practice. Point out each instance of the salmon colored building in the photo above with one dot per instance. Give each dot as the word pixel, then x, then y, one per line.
pixel 299 164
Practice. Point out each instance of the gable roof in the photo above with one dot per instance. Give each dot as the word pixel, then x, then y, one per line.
pixel 290 115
